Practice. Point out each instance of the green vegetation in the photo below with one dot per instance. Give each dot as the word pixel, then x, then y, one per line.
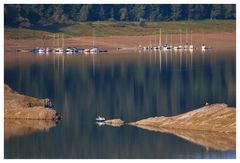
pixel 35 15
pixel 108 28
pixel 23 33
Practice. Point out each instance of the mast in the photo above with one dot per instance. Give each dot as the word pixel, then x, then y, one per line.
pixel 191 37
pixel 63 40
pixel 53 40
pixel 58 41
pixel 166 37
pixel 150 40
pixel 180 36
pixel 186 37
pixel 155 39
pixel 93 38
pixel 160 37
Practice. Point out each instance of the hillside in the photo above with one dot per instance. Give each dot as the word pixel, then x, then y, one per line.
pixel 217 118
pixel 108 28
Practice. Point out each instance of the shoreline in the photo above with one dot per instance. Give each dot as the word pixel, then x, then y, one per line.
pixel 212 118
pixel 215 40
pixel 18 106
pixel 212 126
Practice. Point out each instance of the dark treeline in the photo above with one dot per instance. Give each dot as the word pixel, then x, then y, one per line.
pixel 46 14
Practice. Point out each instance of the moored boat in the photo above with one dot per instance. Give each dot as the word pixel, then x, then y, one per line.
pixel 100 119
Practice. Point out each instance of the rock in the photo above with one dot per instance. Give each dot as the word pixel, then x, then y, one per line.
pixel 48 103
pixel 212 126
pixel 114 122
pixel 17 106
pixel 216 117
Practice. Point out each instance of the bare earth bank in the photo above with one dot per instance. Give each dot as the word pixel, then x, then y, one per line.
pixel 17 106
pixel 216 117
pixel 214 40
pixel 212 126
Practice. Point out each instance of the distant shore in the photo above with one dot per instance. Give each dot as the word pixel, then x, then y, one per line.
pixel 215 40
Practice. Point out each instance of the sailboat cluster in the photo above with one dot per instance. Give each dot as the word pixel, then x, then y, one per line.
pixel 166 46
pixel 68 50
pixel 161 45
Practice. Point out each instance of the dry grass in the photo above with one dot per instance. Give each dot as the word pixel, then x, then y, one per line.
pixel 216 117
pixel 211 126
pixel 17 106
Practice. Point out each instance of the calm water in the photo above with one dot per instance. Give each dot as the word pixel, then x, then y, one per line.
pixel 130 86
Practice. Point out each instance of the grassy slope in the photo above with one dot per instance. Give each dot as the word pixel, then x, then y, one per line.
pixel 124 28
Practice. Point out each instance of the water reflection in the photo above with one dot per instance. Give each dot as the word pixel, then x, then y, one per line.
pixel 129 86
pixel 17 127
pixel 214 140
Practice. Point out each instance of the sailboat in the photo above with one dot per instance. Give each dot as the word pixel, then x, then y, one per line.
pixel 180 46
pixel 165 47
pixel 186 45
pixel 191 45
pixel 174 46
pixel 94 50
pixel 160 39
pixel 100 118
pixel 203 47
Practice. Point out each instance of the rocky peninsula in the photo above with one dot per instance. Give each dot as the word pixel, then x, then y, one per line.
pixel 18 106
pixel 212 126
pixel 216 118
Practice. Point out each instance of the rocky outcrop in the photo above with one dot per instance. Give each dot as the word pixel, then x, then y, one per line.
pixel 17 106
pixel 114 122
pixel 212 126
pixel 216 118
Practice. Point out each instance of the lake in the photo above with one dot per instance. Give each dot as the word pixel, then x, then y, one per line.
pixel 127 85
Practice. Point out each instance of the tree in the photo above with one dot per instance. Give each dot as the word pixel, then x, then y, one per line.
pixel 190 11
pixel 112 17
pixel 72 11
pixel 164 12
pixel 84 12
pixel 58 15
pixel 176 12
pixel 101 13
pixel 229 11
pixel 123 14
pixel 216 11
pixel 151 12
pixel 199 12
pixel 11 15
pixel 46 14
pixel 138 12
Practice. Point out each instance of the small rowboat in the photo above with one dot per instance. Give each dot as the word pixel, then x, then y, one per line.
pixel 100 119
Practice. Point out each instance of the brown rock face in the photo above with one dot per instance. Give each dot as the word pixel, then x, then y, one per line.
pixel 212 126
pixel 114 122
pixel 17 106
pixel 216 117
